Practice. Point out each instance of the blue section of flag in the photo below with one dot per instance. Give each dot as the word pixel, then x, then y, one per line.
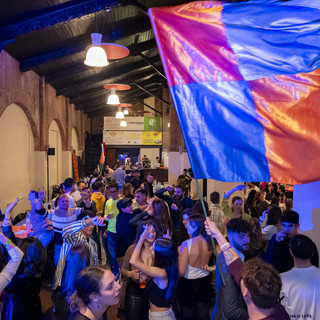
pixel 217 149
pixel 272 38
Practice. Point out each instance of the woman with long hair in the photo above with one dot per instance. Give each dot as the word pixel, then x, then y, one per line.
pixel 127 191
pixel 164 274
pixel 195 286
pixel 78 258
pixel 22 294
pixel 270 222
pixel 162 214
pixel 95 290
pixel 258 198
pixel 249 201
pixel 135 282
pixel 144 185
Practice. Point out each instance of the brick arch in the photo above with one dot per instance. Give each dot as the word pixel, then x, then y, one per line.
pixel 33 126
pixel 62 134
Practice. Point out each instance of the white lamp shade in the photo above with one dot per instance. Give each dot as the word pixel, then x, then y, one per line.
pixel 123 123
pixel 126 112
pixel 113 98
pixel 119 115
pixel 96 56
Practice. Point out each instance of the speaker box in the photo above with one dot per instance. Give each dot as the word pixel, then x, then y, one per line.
pixel 51 151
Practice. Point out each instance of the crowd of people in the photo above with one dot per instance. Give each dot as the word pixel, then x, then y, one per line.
pixel 159 244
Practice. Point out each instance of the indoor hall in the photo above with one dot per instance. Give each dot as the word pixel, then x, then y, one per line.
pixel 57 122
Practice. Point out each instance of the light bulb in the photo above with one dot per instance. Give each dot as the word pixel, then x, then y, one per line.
pixel 119 115
pixel 123 123
pixel 125 111
pixel 96 56
pixel 113 98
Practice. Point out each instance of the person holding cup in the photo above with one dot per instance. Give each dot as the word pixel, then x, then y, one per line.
pixel 164 273
pixel 135 281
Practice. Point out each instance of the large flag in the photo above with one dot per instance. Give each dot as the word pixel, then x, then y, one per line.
pixel 244 78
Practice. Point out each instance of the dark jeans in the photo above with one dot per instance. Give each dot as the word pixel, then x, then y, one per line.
pixel 110 248
pixel 112 245
pixel 95 238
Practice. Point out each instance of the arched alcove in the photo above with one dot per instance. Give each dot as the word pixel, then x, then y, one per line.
pixel 55 161
pixel 17 157
pixel 75 141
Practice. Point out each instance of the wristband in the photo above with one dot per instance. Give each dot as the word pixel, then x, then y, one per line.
pixel 7 243
pixel 225 246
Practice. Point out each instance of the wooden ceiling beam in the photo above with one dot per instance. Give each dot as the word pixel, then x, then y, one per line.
pixel 103 94
pixel 127 98
pixel 134 70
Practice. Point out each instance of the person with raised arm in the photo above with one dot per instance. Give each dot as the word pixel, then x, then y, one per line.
pixel 235 211
pixel 14 252
pixel 260 283
pixel 60 217
pixel 164 274
pixel 78 233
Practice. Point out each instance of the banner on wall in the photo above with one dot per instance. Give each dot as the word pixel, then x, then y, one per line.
pixel 75 166
pixel 151 138
pixel 134 124
pixel 132 138
pixel 152 124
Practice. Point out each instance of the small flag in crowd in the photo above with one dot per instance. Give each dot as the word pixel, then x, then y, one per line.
pixel 102 157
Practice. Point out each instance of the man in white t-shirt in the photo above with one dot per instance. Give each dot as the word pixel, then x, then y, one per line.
pixel 301 285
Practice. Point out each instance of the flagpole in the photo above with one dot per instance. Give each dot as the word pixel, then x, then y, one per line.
pixel 212 241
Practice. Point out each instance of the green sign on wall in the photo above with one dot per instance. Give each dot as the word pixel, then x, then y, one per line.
pixel 152 123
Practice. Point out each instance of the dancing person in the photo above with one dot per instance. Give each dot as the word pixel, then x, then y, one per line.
pixel 60 217
pixel 136 294
pixel 13 251
pixel 195 286
pixel 229 301
pixel 164 274
pixel 41 226
pixel 22 294
pixel 77 233
pixel 260 283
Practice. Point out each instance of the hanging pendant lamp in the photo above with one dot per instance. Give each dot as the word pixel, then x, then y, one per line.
pixel 113 98
pixel 96 55
pixel 119 114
